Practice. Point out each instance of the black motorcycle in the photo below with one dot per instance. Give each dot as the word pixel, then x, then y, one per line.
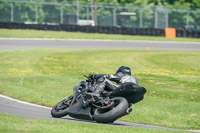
pixel 106 108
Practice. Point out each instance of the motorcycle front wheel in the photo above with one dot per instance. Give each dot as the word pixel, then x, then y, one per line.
pixel 60 109
pixel 119 109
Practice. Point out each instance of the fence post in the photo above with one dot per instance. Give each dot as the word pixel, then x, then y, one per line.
pixel 167 18
pixel 95 12
pixel 77 11
pixel 12 12
pixel 141 18
pixel 61 14
pixel 92 9
pixel 156 18
pixel 87 12
pixel 188 19
pixel 36 13
pixel 114 16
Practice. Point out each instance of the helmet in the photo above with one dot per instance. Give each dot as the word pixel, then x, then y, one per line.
pixel 123 70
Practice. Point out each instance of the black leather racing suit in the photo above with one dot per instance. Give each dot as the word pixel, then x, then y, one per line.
pixel 126 86
pixel 104 82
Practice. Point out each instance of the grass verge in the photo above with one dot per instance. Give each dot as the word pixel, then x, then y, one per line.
pixel 13 124
pixel 15 33
pixel 45 77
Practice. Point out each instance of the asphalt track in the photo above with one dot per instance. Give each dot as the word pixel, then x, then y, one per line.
pixel 7 44
pixel 23 109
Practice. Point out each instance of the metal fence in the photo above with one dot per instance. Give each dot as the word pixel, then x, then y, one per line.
pixel 98 14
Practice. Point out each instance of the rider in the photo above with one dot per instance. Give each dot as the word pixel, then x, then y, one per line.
pixel 123 80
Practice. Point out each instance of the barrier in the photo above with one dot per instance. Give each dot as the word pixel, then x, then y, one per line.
pixel 100 29
pixel 170 32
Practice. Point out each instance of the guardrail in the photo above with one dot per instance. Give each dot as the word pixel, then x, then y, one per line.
pixel 100 29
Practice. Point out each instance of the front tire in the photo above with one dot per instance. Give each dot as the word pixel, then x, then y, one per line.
pixel 116 112
pixel 60 109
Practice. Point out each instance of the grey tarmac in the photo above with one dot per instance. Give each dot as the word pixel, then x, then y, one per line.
pixel 7 44
pixel 28 110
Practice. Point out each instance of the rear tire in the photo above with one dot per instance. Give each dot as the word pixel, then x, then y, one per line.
pixel 118 111
pixel 58 113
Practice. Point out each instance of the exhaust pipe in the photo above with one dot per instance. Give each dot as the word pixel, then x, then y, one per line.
pixel 129 110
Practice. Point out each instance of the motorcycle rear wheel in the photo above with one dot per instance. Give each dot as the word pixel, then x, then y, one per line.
pixel 119 110
pixel 60 109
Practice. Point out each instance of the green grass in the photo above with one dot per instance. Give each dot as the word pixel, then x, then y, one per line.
pixel 45 76
pixel 7 33
pixel 13 124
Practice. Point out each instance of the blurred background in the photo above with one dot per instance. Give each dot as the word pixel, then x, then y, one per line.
pixel 179 14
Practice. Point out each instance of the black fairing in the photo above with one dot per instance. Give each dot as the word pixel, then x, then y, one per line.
pixel 84 86
pixel 75 110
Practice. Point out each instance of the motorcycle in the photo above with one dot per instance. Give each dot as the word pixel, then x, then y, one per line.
pixel 106 108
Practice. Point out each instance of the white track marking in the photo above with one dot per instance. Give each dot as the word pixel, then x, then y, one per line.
pixel 19 101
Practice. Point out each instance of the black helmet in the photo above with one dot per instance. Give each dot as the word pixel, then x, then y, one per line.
pixel 124 70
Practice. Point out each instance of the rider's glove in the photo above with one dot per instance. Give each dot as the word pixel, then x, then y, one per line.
pixel 106 76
